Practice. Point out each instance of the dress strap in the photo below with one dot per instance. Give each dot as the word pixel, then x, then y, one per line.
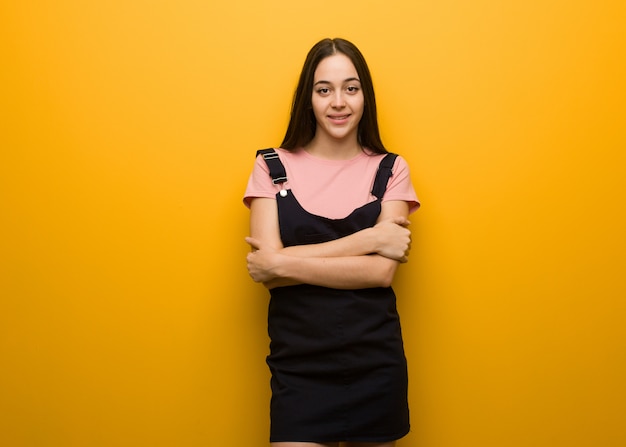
pixel 383 175
pixel 276 167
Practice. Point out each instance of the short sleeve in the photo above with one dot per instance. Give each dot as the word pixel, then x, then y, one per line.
pixel 259 183
pixel 400 187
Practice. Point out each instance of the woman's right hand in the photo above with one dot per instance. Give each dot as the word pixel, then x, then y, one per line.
pixel 393 238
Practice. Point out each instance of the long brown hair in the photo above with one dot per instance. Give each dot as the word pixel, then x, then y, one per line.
pixel 302 123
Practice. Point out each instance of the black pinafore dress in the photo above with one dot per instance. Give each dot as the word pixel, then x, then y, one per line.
pixel 337 360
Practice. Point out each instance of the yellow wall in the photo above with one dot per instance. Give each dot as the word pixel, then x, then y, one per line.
pixel 127 132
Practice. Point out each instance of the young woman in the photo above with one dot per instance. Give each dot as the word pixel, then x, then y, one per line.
pixel 328 228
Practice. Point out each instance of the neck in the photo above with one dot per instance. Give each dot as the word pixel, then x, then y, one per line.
pixel 332 149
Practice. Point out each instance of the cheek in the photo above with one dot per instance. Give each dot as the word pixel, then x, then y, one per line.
pixel 359 102
pixel 319 109
pixel 359 106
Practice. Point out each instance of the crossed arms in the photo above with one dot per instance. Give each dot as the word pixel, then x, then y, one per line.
pixel 367 258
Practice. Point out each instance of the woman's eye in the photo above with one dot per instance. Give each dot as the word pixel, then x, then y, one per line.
pixel 323 91
pixel 352 89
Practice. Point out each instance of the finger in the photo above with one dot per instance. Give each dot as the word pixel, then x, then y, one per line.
pixel 254 243
pixel 402 221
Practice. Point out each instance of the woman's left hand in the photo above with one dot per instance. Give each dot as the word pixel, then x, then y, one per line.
pixel 262 261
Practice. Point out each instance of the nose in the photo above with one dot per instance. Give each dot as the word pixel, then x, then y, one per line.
pixel 338 100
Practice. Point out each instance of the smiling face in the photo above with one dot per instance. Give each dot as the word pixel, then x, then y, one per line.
pixel 337 98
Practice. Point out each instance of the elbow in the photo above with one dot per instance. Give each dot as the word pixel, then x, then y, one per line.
pixel 385 283
pixel 386 273
pixel 387 280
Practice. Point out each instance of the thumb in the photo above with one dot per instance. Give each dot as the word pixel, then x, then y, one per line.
pixel 401 220
pixel 254 243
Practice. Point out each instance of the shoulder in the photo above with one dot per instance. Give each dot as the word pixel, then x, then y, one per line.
pixel 283 154
pixel 399 164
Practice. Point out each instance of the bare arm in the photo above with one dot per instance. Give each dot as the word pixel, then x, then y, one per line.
pixel 390 236
pixel 344 263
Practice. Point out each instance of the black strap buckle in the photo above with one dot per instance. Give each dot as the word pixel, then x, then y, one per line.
pixel 277 170
pixel 269 155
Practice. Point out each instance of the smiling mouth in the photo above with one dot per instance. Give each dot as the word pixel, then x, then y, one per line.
pixel 338 117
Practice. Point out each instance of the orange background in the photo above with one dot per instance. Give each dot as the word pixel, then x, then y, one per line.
pixel 127 133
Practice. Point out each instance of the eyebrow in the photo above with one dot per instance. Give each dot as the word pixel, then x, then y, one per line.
pixel 345 80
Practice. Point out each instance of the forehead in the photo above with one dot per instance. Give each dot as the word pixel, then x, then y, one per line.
pixel 335 67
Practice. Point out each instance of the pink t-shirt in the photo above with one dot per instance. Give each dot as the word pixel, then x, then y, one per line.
pixel 331 188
